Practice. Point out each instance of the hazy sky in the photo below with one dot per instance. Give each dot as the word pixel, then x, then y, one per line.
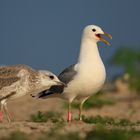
pixel 46 33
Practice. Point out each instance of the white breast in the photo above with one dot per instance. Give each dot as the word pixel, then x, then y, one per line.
pixel 86 83
pixel 90 73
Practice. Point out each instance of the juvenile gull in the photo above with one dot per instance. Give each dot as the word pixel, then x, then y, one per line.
pixel 87 76
pixel 18 80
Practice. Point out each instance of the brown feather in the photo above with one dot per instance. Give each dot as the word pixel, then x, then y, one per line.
pixel 4 82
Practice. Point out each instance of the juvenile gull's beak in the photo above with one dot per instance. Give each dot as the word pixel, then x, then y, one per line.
pixel 102 39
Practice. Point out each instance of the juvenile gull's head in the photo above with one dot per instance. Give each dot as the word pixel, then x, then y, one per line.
pixel 50 82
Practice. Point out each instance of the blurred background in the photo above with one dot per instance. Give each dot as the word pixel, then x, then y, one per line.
pixel 46 34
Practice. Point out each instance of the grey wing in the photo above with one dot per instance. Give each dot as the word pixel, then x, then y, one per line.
pixel 67 74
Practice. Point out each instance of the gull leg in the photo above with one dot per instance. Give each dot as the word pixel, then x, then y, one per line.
pixel 81 108
pixel 80 111
pixel 1 113
pixel 8 116
pixel 69 118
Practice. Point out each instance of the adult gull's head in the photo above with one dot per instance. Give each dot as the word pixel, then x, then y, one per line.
pixel 95 33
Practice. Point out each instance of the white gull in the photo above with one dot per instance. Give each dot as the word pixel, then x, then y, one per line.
pixel 87 76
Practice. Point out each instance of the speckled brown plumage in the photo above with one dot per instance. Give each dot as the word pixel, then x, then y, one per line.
pixel 9 76
pixel 7 96
pixel 19 80
pixel 4 82
pixel 12 71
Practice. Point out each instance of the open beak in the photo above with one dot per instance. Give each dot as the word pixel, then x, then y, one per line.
pixel 102 39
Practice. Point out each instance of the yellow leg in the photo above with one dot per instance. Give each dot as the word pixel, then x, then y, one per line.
pixel 81 108
pixel 80 111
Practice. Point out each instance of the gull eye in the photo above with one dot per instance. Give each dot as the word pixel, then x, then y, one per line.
pixel 51 77
pixel 94 30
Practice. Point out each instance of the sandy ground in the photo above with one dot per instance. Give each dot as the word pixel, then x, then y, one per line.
pixel 127 106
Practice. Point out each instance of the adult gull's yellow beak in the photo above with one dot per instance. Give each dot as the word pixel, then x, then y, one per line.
pixel 102 39
pixel 105 41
